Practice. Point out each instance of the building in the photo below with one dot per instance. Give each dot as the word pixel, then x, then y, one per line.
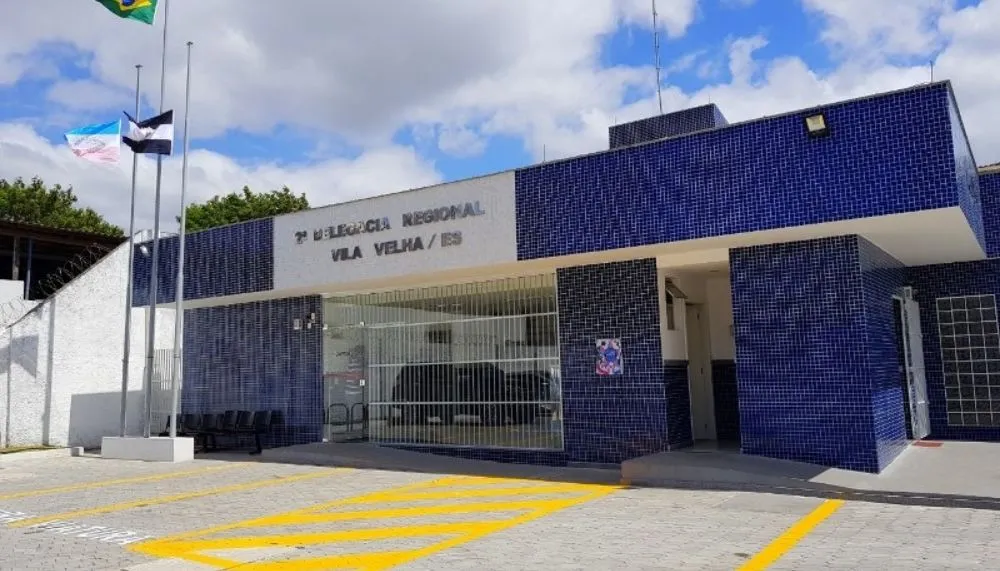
pixel 36 260
pixel 817 286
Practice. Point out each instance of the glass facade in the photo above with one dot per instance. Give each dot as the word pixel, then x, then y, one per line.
pixel 461 365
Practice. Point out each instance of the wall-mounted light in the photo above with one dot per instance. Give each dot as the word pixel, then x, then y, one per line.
pixel 144 250
pixel 296 324
pixel 816 125
pixel 310 321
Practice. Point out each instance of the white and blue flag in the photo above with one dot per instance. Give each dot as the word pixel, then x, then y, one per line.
pixel 101 143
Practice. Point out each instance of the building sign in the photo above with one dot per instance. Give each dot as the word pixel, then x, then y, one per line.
pixel 399 246
pixel 467 223
pixel 341 230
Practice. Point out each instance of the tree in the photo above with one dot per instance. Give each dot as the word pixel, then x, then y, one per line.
pixel 54 207
pixel 243 206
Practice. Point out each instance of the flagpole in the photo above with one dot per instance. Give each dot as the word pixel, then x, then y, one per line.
pixel 178 375
pixel 128 281
pixel 151 322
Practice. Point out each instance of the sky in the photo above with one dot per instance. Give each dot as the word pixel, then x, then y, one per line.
pixel 345 100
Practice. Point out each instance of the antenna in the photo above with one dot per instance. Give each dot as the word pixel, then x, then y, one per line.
pixel 932 71
pixel 656 58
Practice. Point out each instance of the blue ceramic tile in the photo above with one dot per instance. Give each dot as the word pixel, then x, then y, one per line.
pixel 816 365
pixel 882 276
pixel 966 174
pixel 943 282
pixel 746 177
pixel 222 261
pixel 249 357
pixel 989 186
pixel 608 419
pixel 668 125
pixel 726 400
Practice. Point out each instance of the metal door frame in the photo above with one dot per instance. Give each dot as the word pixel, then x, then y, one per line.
pixel 913 355
pixel 355 424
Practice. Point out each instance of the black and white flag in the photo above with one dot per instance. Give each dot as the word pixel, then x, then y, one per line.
pixel 154 136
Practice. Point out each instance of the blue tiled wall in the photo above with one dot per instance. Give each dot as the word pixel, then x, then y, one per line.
pixel 222 261
pixel 678 394
pixel 950 280
pixel 248 357
pixel 726 399
pixel 667 125
pixel 804 315
pixel 752 176
pixel 611 419
pixel 882 276
pixel 989 189
pixel 966 174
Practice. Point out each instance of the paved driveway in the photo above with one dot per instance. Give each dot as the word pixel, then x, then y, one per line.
pixel 88 513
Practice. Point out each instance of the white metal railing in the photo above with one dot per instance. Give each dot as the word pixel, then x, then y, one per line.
pixel 471 365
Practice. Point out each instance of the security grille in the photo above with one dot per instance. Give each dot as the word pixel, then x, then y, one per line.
pixel 472 365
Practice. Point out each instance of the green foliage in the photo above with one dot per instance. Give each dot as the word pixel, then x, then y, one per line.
pixel 243 206
pixel 53 207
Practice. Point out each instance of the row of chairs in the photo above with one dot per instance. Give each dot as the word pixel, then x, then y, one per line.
pixel 206 428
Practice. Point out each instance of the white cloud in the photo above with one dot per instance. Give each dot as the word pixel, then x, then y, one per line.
pixel 457 73
pixel 106 189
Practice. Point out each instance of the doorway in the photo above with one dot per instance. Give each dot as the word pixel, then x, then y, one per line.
pixel 910 336
pixel 699 353
pixel 345 380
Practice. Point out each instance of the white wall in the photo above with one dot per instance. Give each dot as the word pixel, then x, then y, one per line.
pixel 486 239
pixel 712 290
pixel 673 342
pixel 60 365
pixel 11 290
pixel 719 297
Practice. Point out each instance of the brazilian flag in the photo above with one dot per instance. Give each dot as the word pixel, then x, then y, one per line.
pixel 141 10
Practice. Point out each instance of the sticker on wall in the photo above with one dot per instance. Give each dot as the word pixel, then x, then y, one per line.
pixel 609 357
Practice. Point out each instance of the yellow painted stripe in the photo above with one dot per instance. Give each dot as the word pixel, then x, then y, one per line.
pixel 317 538
pixel 191 547
pixel 419 511
pixel 150 546
pixel 392 559
pixel 786 541
pixel 106 483
pixel 176 497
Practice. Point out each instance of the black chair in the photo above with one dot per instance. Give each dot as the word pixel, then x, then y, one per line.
pixel 261 427
pixel 244 422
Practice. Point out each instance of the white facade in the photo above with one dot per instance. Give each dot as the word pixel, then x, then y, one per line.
pixel 464 224
pixel 61 364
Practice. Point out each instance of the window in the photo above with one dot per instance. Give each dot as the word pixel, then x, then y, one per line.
pixel 970 358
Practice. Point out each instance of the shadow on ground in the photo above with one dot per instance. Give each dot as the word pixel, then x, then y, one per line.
pixel 966 475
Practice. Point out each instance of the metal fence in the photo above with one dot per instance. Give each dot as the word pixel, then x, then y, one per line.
pixel 162 395
pixel 461 365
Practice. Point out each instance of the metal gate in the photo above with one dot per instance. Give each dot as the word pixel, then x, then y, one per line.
pixel 345 385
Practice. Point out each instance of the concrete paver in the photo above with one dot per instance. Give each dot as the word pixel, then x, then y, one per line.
pixel 213 514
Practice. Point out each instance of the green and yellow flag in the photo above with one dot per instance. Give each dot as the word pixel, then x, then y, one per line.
pixel 141 10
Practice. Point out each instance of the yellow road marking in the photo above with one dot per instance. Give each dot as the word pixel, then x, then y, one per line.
pixel 191 546
pixel 786 541
pixel 176 497
pixel 444 509
pixel 105 483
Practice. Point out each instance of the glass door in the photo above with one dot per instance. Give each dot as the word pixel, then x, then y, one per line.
pixel 345 384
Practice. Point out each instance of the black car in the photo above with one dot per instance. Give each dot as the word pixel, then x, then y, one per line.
pixel 476 389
